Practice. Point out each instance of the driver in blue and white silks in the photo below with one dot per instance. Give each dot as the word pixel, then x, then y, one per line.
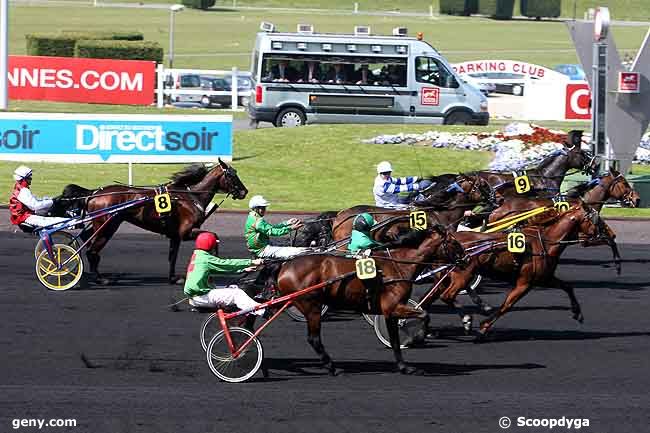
pixel 387 188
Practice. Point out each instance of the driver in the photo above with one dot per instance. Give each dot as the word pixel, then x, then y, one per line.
pixel 360 238
pixel 24 207
pixel 205 262
pixel 386 188
pixel 257 232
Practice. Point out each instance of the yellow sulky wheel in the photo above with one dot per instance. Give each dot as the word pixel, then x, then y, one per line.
pixel 59 279
pixel 60 237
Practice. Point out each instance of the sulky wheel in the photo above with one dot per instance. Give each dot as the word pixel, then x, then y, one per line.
pixel 370 318
pixel 209 328
pixel 57 238
pixel 408 329
pixel 230 369
pixel 296 315
pixel 59 279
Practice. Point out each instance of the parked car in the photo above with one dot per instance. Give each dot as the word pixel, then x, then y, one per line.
pixel 223 85
pixel 484 87
pixel 504 82
pixel 574 72
pixel 187 82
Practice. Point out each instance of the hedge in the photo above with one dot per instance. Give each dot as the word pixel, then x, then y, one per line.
pixel 116 36
pixel 458 7
pixel 123 50
pixel 499 9
pixel 199 4
pixel 541 8
pixel 63 44
pixel 50 44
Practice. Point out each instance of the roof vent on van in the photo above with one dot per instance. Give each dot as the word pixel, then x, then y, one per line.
pixel 267 27
pixel 361 30
pixel 305 29
pixel 400 31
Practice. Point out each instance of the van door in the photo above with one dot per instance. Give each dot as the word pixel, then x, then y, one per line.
pixel 435 89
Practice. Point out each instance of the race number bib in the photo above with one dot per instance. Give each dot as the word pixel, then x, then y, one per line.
pixel 522 184
pixel 561 206
pixel 418 220
pixel 516 242
pixel 366 269
pixel 163 203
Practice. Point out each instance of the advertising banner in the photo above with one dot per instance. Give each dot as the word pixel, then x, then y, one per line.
pixel 71 79
pixel 513 68
pixel 95 138
pixel 577 102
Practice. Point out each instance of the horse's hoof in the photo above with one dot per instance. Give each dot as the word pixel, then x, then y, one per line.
pixel 486 309
pixel 100 281
pixel 579 317
pixel 176 280
pixel 407 369
pixel 467 324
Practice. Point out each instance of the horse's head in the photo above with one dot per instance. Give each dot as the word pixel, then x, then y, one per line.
pixel 448 246
pixel 576 157
pixel 228 181
pixel 620 189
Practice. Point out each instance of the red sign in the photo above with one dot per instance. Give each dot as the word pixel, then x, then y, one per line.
pixel 628 82
pixel 577 105
pixel 430 96
pixel 71 79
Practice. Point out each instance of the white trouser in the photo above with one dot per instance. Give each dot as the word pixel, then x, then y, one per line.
pixel 270 252
pixel 42 221
pixel 225 297
pixel 462 228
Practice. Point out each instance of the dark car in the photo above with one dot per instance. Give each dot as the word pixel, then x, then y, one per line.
pixel 224 85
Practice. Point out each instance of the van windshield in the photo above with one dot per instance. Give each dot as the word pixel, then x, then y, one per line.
pixel 341 70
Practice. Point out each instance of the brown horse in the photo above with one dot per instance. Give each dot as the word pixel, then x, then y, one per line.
pixel 549 174
pixel 536 266
pixel 191 192
pixel 386 294
pixel 445 207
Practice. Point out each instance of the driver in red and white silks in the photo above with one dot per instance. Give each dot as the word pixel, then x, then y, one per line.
pixel 24 207
pixel 204 262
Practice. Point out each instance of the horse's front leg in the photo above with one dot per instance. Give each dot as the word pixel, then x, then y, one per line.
pixel 174 246
pixel 313 316
pixel 393 333
pixel 568 288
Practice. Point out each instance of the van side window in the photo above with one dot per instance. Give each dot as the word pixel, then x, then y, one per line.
pixel 431 71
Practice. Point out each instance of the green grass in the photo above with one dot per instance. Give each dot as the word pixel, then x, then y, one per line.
pixel 311 168
pixel 219 39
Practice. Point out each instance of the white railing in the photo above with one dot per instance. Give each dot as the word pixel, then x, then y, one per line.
pixel 163 92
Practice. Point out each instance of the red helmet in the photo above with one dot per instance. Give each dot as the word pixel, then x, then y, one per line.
pixel 206 241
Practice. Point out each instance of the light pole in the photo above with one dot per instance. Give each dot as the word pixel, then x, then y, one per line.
pixel 172 11
pixel 4 52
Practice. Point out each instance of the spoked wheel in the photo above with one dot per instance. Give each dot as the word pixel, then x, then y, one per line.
pixel 209 328
pixel 408 328
pixel 57 238
pixel 370 318
pixel 476 281
pixel 59 279
pixel 228 368
pixel 296 315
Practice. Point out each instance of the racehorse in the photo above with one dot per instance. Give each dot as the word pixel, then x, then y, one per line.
pixel 445 207
pixel 385 294
pixel 549 173
pixel 535 266
pixel 191 191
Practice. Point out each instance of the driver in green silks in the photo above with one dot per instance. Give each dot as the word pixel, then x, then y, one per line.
pixel 360 238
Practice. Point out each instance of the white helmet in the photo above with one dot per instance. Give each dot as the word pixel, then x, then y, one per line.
pixel 384 167
pixel 257 201
pixel 22 172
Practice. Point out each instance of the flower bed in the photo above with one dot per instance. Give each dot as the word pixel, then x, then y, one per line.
pixel 519 145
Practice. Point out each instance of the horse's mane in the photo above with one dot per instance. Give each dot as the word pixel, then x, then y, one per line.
pixel 580 189
pixel 548 160
pixel 413 238
pixel 190 175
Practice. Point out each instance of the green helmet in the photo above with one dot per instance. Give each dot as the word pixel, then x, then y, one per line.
pixel 363 222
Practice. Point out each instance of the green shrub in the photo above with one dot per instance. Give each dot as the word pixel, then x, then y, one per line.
pixel 116 36
pixel 123 50
pixel 458 7
pixel 541 8
pixel 499 9
pixel 199 4
pixel 50 44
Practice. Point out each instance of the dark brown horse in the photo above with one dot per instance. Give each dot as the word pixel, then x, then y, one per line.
pixel 191 192
pixel 549 174
pixel 445 207
pixel 536 266
pixel 386 294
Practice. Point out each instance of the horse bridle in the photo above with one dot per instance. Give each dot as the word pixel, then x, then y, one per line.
pixel 230 180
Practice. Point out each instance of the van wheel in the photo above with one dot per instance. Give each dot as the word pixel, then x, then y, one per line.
pixel 290 118
pixel 458 118
pixel 205 101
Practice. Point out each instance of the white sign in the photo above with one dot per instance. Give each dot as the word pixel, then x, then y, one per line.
pixel 526 70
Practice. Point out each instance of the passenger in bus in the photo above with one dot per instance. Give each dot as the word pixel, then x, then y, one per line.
pixel 309 73
pixel 362 75
pixel 336 75
pixel 281 72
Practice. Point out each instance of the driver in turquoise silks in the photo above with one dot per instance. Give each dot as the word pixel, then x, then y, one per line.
pixel 360 238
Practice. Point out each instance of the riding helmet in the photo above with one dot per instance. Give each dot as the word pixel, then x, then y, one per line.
pixel 206 241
